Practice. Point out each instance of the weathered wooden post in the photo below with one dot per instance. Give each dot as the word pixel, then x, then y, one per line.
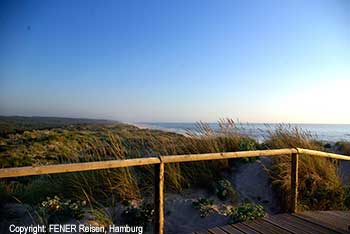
pixel 294 183
pixel 158 198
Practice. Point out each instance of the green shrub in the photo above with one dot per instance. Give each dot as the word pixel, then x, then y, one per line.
pixel 142 215
pixel 247 144
pixel 57 209
pixel 246 212
pixel 343 147
pixel 224 190
pixel 205 206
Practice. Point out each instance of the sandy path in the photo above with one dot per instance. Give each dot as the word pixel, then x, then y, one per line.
pixel 181 217
pixel 251 182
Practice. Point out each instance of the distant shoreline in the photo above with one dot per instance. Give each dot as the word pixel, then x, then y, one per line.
pixel 153 127
pixel 324 132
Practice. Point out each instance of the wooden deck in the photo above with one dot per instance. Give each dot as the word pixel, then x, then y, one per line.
pixel 318 222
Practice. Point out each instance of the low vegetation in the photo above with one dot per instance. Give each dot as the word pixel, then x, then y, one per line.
pixel 246 212
pixel 139 216
pixel 60 210
pixel 343 147
pixel 224 190
pixel 204 206
pixel 320 186
pixel 35 144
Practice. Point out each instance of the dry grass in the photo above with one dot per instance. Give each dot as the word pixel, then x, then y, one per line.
pixel 203 139
pixel 101 184
pixel 132 183
pixel 343 147
pixel 319 186
pixel 319 183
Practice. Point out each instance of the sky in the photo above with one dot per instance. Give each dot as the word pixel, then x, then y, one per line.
pixel 177 61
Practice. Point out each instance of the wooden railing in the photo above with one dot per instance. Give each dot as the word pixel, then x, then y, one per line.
pixel 159 162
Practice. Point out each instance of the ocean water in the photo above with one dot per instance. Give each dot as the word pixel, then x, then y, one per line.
pixel 323 132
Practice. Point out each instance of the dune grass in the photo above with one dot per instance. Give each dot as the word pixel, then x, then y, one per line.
pixel 101 184
pixel 319 183
pixel 109 143
pixel 320 187
pixel 343 147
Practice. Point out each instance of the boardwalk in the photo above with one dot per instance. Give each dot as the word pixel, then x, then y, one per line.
pixel 322 222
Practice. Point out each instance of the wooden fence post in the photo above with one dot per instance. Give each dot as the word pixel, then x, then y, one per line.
pixel 159 198
pixel 294 183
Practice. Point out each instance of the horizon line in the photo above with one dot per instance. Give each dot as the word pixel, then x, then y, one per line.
pixel 163 122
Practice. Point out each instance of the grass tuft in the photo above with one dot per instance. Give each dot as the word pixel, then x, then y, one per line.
pixel 320 187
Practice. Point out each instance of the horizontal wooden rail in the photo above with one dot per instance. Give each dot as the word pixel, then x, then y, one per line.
pixel 159 169
pixel 322 154
pixel 75 167
pixel 88 166
pixel 217 156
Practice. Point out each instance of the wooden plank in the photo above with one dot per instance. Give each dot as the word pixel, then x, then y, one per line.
pixel 318 223
pixel 231 230
pixel 346 213
pixel 202 232
pixel 216 230
pixel 277 228
pixel 245 228
pixel 75 167
pixel 339 220
pixel 341 213
pixel 266 228
pixel 336 223
pixel 226 155
pixel 253 226
pixel 159 198
pixel 287 226
pixel 294 183
pixel 338 214
pixel 305 225
pixel 322 154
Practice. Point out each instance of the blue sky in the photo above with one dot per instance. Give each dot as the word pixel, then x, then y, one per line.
pixel 256 61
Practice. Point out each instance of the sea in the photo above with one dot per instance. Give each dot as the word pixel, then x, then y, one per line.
pixel 323 132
